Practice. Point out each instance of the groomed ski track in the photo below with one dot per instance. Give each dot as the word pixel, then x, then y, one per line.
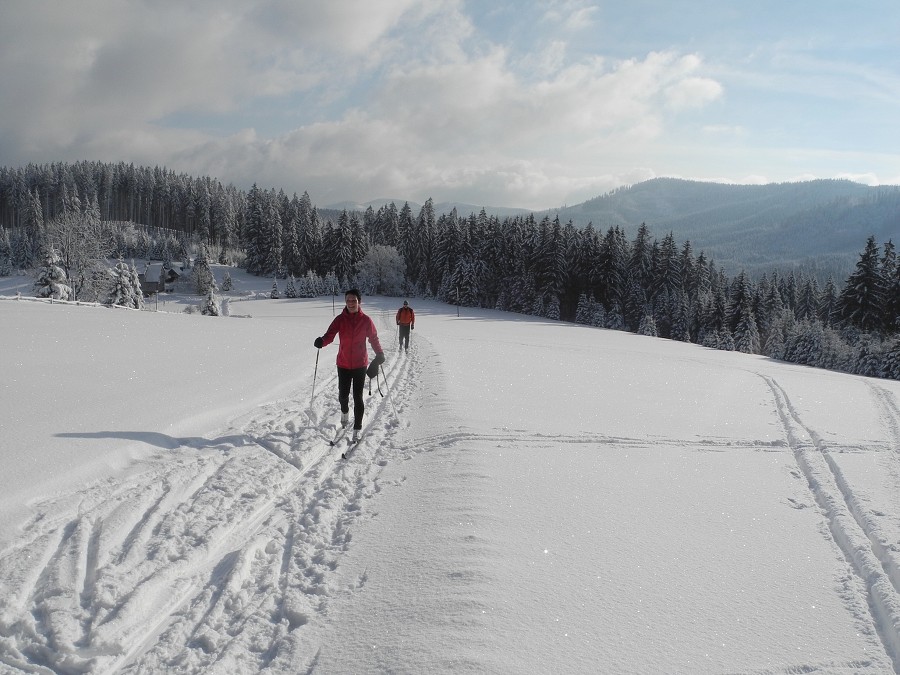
pixel 219 553
pixel 854 522
pixel 228 543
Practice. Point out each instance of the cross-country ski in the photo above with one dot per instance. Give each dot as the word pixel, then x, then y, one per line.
pixel 339 435
pixel 352 444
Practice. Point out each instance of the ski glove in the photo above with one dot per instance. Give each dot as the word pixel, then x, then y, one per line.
pixel 318 343
pixel 372 370
pixel 412 327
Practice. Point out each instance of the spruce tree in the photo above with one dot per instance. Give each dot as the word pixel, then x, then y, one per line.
pixel 583 313
pixel 746 334
pixel 138 296
pixel 123 292
pixel 890 274
pixel 51 281
pixel 5 253
pixel 828 303
pixel 648 326
pixel 211 305
pixel 290 290
pixel 203 276
pixel 861 303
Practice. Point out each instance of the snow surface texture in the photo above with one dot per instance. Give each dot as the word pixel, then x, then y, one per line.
pixel 529 496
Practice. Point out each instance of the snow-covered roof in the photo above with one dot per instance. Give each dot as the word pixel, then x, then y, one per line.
pixel 151 273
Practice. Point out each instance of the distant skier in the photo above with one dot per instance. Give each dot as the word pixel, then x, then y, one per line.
pixel 406 319
pixel 354 328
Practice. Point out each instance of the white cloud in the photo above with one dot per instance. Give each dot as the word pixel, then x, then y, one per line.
pixel 864 178
pixel 474 128
pixel 573 15
pixel 350 26
pixel 359 100
pixel 692 92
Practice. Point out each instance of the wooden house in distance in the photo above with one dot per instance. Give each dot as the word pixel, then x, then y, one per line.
pixel 155 277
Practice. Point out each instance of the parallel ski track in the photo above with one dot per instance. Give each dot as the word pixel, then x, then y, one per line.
pixel 210 542
pixel 853 527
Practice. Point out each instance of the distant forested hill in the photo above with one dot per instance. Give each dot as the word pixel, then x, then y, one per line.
pixel 819 226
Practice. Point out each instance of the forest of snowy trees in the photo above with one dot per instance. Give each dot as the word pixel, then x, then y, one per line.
pixel 80 215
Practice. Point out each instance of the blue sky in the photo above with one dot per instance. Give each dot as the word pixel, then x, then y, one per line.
pixel 530 104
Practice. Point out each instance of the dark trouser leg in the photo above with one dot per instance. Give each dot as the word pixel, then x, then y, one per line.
pixel 345 378
pixel 359 380
pixel 404 336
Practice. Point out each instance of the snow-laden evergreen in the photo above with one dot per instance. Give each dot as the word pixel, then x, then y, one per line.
pixel 51 281
pixel 125 288
pixel 290 290
pixel 211 305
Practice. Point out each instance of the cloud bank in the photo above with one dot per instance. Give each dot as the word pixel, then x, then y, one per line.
pixel 520 106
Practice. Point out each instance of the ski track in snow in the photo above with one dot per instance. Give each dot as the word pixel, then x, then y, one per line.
pixel 874 559
pixel 213 557
pixel 216 553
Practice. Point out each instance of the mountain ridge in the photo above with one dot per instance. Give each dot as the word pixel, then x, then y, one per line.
pixel 819 226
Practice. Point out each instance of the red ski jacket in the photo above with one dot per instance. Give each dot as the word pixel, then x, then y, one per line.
pixel 353 329
pixel 406 316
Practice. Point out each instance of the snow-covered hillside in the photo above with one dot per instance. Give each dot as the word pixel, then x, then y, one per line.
pixel 529 496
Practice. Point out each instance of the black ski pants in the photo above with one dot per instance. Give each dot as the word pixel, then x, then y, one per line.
pixel 404 335
pixel 357 378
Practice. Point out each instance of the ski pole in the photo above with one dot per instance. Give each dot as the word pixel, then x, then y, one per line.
pixel 315 370
pixel 390 397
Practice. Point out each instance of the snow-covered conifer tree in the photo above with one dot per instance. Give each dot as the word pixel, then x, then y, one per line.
pixel 291 290
pixel 51 281
pixel 614 320
pixel 327 286
pixel 746 334
pixel 122 291
pixel 552 307
pixel 203 276
pixel 302 286
pixel 726 340
pixel 210 305
pixel 867 361
pixel 136 285
pixel 861 302
pixel 584 311
pixel 599 316
pixel 709 338
pixel 681 322
pixel 891 360
pixel 648 326
pixel 275 294
pixel 5 253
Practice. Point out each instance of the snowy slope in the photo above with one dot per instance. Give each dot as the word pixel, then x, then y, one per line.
pixel 529 497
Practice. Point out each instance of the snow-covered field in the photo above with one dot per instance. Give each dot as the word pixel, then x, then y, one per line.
pixel 530 497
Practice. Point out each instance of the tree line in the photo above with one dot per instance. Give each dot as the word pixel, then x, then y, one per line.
pixel 522 264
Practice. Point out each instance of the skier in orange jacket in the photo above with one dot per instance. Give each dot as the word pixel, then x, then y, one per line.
pixel 406 319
